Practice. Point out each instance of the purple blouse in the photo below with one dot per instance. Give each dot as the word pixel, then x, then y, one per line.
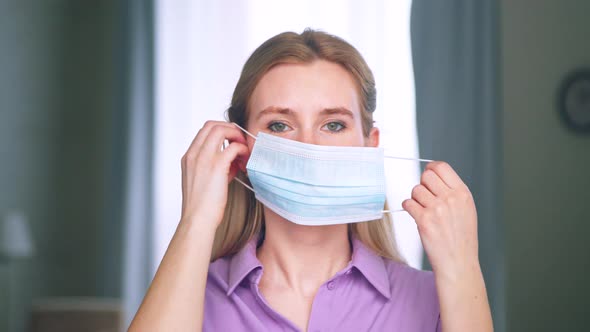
pixel 371 294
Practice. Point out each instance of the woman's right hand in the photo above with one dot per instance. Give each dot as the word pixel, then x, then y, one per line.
pixel 207 170
pixel 175 299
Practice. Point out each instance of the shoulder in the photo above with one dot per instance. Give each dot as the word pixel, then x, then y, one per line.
pixel 414 285
pixel 216 299
pixel 407 275
pixel 229 307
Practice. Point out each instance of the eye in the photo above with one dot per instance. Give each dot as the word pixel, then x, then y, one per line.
pixel 334 126
pixel 278 127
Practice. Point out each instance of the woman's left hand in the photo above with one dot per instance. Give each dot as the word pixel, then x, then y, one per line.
pixel 445 213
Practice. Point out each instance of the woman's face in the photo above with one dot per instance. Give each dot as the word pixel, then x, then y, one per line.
pixel 314 103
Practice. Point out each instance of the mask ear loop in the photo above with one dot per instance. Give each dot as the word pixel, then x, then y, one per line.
pixel 393 211
pixel 412 159
pixel 254 137
pixel 244 184
pixel 403 158
pixel 244 130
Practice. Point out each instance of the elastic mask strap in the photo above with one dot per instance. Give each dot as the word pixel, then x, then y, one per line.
pixel 244 184
pixel 254 137
pixel 404 158
pixel 393 211
pixel 244 130
pixel 413 159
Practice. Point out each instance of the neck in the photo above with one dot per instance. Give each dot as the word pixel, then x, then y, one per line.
pixel 301 258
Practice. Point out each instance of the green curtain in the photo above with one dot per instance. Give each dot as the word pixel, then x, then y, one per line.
pixel 455 53
pixel 135 134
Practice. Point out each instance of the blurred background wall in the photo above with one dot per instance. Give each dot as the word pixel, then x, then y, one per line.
pixel 57 105
pixel 546 167
pixel 58 148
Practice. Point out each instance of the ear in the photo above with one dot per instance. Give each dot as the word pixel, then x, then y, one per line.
pixel 373 140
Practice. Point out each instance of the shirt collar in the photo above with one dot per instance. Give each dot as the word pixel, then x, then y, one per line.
pixel 371 266
pixel 241 264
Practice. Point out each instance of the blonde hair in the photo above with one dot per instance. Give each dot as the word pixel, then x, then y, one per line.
pixel 244 218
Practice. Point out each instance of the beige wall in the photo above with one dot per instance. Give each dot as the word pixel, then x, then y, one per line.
pixel 546 167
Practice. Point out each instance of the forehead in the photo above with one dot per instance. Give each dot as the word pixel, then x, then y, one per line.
pixel 306 87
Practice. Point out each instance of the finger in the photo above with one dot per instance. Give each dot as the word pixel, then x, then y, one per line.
pixel 423 196
pixel 197 142
pixel 218 135
pixel 231 155
pixel 413 208
pixel 433 183
pixel 446 173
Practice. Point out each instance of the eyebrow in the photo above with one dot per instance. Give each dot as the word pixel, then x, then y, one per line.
pixel 338 110
pixel 289 112
pixel 274 110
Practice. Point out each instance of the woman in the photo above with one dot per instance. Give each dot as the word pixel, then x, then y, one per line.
pixel 268 273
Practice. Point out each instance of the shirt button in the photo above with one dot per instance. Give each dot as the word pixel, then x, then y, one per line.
pixel 331 285
pixel 348 272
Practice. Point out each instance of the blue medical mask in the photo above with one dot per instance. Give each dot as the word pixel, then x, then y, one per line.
pixel 315 184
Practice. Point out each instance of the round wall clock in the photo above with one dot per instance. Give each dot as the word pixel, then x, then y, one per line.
pixel 574 100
